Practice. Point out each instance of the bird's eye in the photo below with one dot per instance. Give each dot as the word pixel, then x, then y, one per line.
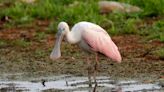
pixel 63 29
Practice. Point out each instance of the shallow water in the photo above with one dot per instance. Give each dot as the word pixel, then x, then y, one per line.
pixel 70 83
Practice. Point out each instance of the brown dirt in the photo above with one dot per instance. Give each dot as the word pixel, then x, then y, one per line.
pixel 138 61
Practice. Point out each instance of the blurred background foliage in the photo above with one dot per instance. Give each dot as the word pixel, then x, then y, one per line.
pixel 149 22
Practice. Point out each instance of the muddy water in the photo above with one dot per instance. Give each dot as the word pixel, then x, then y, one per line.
pixel 70 83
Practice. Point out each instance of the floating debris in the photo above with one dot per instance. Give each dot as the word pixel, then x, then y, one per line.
pixel 43 82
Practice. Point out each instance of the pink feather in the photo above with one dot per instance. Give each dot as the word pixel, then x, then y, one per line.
pixel 101 42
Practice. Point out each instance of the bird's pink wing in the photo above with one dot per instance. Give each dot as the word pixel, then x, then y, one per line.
pixel 101 42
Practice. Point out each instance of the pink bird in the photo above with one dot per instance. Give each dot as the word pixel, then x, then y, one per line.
pixel 91 38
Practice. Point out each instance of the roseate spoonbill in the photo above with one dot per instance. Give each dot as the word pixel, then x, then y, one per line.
pixel 91 38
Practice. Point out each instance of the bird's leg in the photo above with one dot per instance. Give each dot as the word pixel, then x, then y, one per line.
pixel 97 62
pixel 89 68
pixel 95 69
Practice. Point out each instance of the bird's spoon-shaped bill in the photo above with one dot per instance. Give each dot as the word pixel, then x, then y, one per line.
pixel 56 53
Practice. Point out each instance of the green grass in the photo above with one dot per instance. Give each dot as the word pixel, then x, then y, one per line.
pixel 21 43
pixel 73 11
pixel 3 43
pixel 160 53
pixel 40 53
pixel 40 36
pixel 156 31
pixel 150 7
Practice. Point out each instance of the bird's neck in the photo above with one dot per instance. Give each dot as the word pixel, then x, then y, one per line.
pixel 70 37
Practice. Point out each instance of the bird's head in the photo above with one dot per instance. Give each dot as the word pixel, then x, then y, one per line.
pixel 63 28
